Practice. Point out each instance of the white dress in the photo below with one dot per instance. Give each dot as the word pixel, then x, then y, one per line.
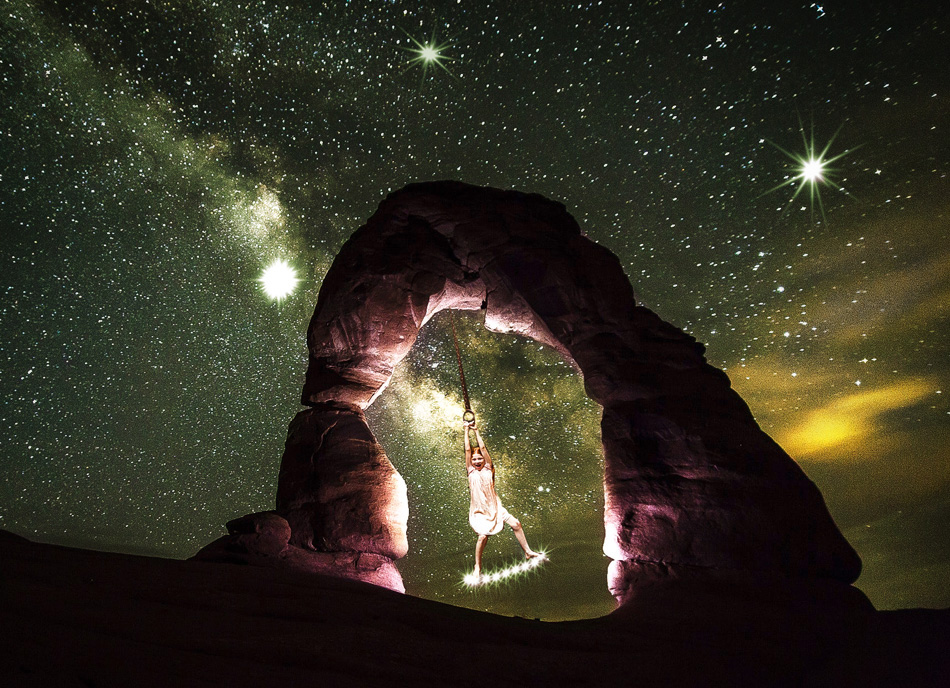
pixel 486 515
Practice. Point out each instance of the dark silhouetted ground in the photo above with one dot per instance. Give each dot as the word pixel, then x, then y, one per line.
pixel 75 617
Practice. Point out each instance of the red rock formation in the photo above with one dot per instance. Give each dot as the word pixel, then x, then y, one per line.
pixel 690 479
pixel 343 507
pixel 337 489
pixel 263 539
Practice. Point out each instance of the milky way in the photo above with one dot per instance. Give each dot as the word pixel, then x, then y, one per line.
pixel 157 157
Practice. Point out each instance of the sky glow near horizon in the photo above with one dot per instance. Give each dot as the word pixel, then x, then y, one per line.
pixel 155 158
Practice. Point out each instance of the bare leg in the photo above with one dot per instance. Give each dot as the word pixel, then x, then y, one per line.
pixel 522 540
pixel 479 548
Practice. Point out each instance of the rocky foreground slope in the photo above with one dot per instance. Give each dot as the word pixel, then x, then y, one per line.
pixel 81 618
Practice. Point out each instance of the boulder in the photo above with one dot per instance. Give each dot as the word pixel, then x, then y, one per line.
pixel 263 539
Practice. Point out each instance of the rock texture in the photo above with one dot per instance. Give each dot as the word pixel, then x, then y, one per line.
pixel 342 506
pixel 336 487
pixel 263 539
pixel 690 479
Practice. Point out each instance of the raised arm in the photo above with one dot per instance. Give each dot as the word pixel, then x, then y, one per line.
pixel 481 445
pixel 468 447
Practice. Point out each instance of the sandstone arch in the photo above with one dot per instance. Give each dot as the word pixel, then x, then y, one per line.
pixel 690 479
pixel 691 483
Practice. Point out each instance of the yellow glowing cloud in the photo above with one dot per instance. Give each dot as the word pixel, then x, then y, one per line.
pixel 822 429
pixel 852 419
pixel 866 293
pixel 895 300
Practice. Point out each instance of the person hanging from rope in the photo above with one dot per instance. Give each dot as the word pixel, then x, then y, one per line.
pixel 486 515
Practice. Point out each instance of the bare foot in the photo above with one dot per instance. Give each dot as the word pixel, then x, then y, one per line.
pixel 531 554
pixel 477 572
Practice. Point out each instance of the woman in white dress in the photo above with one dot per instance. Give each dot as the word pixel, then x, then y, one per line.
pixel 486 515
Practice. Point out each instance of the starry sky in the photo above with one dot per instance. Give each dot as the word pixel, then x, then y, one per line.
pixel 157 157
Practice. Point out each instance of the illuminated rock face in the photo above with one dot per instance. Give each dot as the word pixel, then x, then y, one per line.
pixel 263 539
pixel 337 489
pixel 690 480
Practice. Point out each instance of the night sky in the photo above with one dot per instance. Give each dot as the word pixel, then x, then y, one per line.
pixel 156 157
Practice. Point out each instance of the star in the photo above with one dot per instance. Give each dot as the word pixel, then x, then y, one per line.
pixel 813 169
pixel 279 280
pixel 429 54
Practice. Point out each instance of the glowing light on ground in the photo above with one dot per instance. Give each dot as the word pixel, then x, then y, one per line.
pixel 501 575
pixel 812 168
pixel 279 280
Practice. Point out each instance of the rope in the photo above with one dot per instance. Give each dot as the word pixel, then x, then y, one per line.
pixel 469 415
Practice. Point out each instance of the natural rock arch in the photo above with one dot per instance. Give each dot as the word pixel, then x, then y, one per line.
pixel 690 479
pixel 691 482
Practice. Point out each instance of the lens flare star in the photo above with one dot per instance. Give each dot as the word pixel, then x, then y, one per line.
pixel 812 170
pixel 429 54
pixel 279 280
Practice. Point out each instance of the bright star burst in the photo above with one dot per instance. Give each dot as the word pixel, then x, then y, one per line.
pixel 430 53
pixel 279 280
pixel 812 170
